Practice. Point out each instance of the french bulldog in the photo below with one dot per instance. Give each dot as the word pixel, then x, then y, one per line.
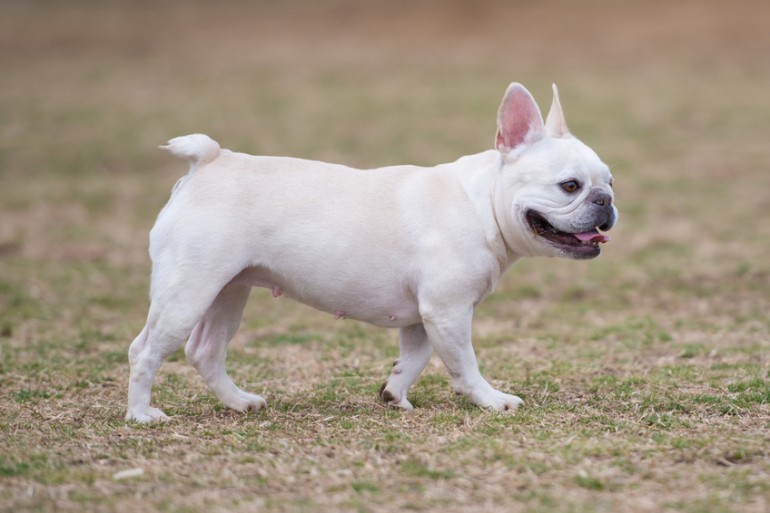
pixel 403 247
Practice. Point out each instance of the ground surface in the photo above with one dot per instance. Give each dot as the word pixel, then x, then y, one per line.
pixel 646 373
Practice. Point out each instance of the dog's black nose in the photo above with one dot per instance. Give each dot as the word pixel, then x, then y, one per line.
pixel 599 197
pixel 610 218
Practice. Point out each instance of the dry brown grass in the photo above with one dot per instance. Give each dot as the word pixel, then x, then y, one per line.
pixel 646 373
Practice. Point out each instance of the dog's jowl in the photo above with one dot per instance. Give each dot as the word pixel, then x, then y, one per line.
pixel 401 247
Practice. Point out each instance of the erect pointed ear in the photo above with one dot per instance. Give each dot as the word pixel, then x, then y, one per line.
pixel 518 120
pixel 555 124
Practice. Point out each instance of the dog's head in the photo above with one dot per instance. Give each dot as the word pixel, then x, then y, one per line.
pixel 556 190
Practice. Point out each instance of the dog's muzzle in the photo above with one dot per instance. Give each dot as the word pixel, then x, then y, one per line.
pixel 582 243
pixel 606 214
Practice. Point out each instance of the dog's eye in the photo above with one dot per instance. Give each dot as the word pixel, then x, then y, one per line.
pixel 570 186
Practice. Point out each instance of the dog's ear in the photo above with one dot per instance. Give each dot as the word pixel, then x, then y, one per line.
pixel 518 120
pixel 555 124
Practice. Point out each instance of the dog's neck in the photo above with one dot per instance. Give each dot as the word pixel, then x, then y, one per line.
pixel 481 177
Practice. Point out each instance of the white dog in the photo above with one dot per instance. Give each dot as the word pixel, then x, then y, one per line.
pixel 399 247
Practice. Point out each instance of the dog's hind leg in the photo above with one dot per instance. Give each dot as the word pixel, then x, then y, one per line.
pixel 140 382
pixel 207 347
pixel 173 314
pixel 160 337
pixel 415 355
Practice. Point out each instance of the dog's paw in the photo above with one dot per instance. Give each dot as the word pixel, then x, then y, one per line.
pixel 145 417
pixel 403 404
pixel 496 400
pixel 390 399
pixel 245 402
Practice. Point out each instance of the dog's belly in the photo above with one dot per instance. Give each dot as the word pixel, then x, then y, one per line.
pixel 388 305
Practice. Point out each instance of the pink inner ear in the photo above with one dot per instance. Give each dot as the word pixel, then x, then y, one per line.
pixel 519 115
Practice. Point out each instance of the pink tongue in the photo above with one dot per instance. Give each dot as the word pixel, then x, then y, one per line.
pixel 593 236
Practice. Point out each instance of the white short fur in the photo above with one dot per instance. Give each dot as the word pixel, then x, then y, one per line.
pixel 399 247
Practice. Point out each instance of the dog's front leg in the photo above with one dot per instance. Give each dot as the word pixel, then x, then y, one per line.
pixel 415 355
pixel 449 331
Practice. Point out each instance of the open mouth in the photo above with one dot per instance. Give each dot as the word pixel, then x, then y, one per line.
pixel 576 245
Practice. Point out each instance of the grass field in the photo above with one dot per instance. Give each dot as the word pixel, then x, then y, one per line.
pixel 646 373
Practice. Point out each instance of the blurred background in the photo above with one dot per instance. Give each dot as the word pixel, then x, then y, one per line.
pixel 672 94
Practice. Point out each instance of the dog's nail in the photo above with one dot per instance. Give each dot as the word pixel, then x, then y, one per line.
pixel 276 291
pixel 388 397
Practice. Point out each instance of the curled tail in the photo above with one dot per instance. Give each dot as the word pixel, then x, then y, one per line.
pixel 196 148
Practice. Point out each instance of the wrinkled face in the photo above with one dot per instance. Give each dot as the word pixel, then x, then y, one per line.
pixel 561 194
pixel 557 190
